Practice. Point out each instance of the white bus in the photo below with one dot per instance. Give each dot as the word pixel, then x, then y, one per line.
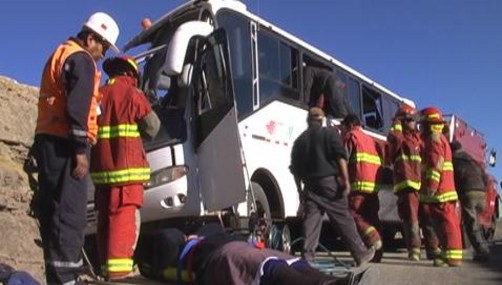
pixel 228 87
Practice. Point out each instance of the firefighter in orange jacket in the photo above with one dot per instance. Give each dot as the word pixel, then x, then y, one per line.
pixel 119 166
pixel 438 188
pixel 364 163
pixel 65 130
pixel 404 147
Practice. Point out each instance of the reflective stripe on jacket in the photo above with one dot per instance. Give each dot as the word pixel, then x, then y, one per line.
pixel 405 156
pixel 364 161
pixel 119 158
pixel 52 110
pixel 438 176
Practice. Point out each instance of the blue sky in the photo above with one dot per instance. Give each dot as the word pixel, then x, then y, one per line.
pixel 445 53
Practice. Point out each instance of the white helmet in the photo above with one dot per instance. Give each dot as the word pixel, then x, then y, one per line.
pixel 104 25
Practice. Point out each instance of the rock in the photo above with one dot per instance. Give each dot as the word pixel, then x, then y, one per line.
pixel 19 234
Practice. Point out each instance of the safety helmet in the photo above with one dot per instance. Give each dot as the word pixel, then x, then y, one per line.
pixel 432 115
pixel 115 65
pixel 406 111
pixel 104 25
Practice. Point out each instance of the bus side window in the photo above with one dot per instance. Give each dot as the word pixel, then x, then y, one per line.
pixel 372 109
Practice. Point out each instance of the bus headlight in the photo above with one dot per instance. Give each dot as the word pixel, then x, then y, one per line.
pixel 166 175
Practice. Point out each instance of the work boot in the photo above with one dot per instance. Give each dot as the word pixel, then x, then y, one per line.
pixel 366 257
pixel 481 257
pixel 414 254
pixel 440 262
pixel 432 253
pixel 378 256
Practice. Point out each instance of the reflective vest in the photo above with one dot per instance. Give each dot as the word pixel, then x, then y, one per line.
pixel 438 169
pixel 407 161
pixel 52 111
pixel 118 158
pixel 364 161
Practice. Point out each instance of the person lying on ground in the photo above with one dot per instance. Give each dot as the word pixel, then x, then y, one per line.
pixel 212 256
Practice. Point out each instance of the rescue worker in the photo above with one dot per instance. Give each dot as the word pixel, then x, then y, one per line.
pixel 319 160
pixel 65 130
pixel 470 183
pixel 364 164
pixel 403 152
pixel 438 188
pixel 325 91
pixel 119 166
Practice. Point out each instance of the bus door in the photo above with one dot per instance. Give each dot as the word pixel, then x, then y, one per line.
pixel 217 141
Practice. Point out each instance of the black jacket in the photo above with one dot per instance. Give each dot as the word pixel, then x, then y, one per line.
pixel 316 152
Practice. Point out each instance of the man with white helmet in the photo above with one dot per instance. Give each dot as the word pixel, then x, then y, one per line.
pixel 66 128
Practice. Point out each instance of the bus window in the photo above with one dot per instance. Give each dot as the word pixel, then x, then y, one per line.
pixel 372 109
pixel 278 65
pixel 239 42
pixel 354 95
pixel 390 107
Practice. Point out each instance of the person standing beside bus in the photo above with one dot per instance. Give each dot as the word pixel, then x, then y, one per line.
pixel 364 163
pixel 119 166
pixel 404 147
pixel 470 183
pixel 65 130
pixel 437 192
pixel 319 160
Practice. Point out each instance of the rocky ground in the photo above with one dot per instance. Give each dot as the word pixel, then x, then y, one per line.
pixel 19 235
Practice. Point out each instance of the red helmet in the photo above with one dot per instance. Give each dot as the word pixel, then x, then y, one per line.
pixel 432 115
pixel 116 65
pixel 406 111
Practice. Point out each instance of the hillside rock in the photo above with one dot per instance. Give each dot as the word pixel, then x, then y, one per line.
pixel 19 234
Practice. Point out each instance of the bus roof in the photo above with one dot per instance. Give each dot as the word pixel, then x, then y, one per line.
pixel 241 8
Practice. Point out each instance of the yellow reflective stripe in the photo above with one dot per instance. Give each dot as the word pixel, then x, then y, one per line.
pixel 407 184
pixel 120 265
pixel 449 196
pixel 119 176
pixel 405 157
pixel 433 116
pixel 434 175
pixel 364 186
pixel 454 254
pixel 123 130
pixel 448 166
pixel 369 230
pixel 366 157
pixel 170 274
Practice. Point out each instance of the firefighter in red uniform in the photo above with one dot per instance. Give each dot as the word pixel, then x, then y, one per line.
pixel 438 188
pixel 66 128
pixel 119 166
pixel 403 152
pixel 364 163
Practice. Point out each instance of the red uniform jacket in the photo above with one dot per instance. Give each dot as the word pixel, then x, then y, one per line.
pixel 119 158
pixel 439 183
pixel 364 161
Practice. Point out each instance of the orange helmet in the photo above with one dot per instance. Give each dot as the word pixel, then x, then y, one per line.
pixel 432 115
pixel 116 65
pixel 406 111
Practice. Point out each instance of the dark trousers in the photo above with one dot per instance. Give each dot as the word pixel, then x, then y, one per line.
pixel 323 196
pixel 473 202
pixel 407 208
pixel 61 205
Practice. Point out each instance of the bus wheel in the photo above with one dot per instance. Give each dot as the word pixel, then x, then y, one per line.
pixel 280 238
